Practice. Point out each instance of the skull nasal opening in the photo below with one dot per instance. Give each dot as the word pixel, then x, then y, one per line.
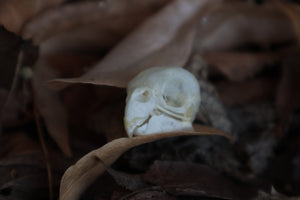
pixel 174 93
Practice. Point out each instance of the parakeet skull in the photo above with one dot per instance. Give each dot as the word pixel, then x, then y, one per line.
pixel 161 99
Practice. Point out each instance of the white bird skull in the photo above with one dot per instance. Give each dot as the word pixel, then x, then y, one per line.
pixel 161 99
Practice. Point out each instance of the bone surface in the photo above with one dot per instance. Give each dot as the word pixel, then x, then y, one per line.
pixel 161 99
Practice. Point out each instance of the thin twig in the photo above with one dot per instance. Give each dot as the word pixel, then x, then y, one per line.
pixel 45 152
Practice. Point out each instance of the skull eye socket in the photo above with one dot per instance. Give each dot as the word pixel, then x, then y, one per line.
pixel 174 93
pixel 144 96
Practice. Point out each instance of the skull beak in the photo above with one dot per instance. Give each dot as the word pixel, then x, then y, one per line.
pixel 140 105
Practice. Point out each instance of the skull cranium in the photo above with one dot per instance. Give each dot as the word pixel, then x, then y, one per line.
pixel 161 99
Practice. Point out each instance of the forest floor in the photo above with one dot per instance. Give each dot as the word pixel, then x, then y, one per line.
pixel 65 66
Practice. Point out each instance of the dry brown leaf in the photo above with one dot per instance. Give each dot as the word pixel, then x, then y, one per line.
pixel 183 178
pixel 239 66
pixel 112 129
pixel 256 90
pixel 130 182
pixel 50 107
pixel 293 12
pixel 23 180
pixel 24 176
pixel 18 144
pixel 288 98
pixel 10 47
pixel 14 13
pixel 165 39
pixel 81 175
pixel 112 18
pixel 10 59
pixel 71 64
pixel 236 25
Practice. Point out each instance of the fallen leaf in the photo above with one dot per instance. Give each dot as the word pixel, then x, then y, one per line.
pixel 14 14
pixel 50 106
pixel 81 175
pixel 292 10
pixel 190 179
pixel 71 64
pixel 163 40
pixel 24 177
pixel 10 112
pixel 21 167
pixel 10 46
pixel 255 90
pixel 23 158
pixel 112 129
pixel 102 20
pixel 288 98
pixel 238 25
pixel 128 181
pixel 238 66
pixel 32 185
pixel 17 144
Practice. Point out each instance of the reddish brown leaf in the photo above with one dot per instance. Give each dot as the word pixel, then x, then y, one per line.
pixel 128 181
pixel 112 129
pixel 163 40
pixel 71 64
pixel 236 25
pixel 79 176
pixel 9 53
pixel 288 97
pixel 181 178
pixel 18 144
pixel 9 50
pixel 14 14
pixel 251 91
pixel 9 110
pixel 293 12
pixel 24 177
pixel 27 181
pixel 50 106
pixel 239 66
pixel 91 20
